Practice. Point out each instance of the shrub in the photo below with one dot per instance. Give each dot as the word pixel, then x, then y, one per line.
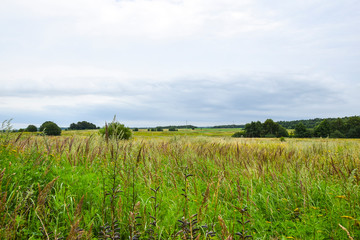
pixel 50 128
pixel 116 130
pixel 159 129
pixel 172 129
pixel 136 129
pixel 31 128
pixel 239 134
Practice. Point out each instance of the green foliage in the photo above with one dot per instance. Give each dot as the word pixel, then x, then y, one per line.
pixel 136 129
pixel 323 129
pixel 269 129
pixel 116 130
pixel 138 189
pixel 337 134
pixel 50 128
pixel 301 131
pixel 82 126
pixel 31 128
pixel 254 129
pixel 239 134
pixel 172 129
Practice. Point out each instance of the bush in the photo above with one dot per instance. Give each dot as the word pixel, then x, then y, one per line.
pixel 172 129
pixel 239 134
pixel 135 129
pixel 337 134
pixel 50 128
pixel 116 130
pixel 31 128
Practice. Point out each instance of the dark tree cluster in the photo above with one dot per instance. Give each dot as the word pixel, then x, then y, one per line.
pixel 334 128
pixel 267 129
pixel 229 126
pixel 82 126
pixel 157 129
pixel 50 128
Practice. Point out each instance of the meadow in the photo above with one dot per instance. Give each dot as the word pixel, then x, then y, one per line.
pixel 190 184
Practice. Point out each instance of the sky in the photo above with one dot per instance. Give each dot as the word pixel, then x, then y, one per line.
pixel 172 62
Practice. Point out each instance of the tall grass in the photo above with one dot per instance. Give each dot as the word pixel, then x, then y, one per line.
pixel 82 187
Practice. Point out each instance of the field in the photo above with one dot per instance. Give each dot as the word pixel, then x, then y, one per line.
pixel 190 184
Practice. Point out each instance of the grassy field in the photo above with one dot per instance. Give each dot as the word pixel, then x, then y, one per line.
pixel 190 184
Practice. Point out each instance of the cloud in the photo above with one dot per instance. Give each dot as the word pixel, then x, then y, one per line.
pixel 209 61
pixel 240 98
pixel 157 19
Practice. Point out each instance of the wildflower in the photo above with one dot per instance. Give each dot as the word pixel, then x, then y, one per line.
pixel 296 209
pixel 268 222
pixel 290 237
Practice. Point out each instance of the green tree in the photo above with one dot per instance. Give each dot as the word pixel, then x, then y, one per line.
pixel 50 128
pixel 323 129
pixel 172 129
pixel 301 131
pixel 282 132
pixel 254 129
pixel 270 128
pixel 116 130
pixel 31 128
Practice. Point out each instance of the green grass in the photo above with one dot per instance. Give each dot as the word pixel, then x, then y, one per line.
pixel 67 186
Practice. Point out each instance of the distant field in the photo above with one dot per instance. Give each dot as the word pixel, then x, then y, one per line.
pixel 210 132
pixel 189 184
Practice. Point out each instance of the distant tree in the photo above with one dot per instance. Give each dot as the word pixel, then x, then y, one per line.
pixel 159 129
pixel 254 129
pixel 239 134
pixel 135 129
pixel 337 134
pixel 31 128
pixel 353 132
pixel 270 128
pixel 301 131
pixel 282 132
pixel 172 129
pixel 323 129
pixel 116 130
pixel 50 128
pixel 82 126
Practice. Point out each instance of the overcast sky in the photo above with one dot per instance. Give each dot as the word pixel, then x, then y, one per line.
pixel 157 62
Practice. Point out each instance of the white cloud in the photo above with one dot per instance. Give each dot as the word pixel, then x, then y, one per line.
pixel 157 19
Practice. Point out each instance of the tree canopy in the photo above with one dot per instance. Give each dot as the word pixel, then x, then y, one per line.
pixel 50 128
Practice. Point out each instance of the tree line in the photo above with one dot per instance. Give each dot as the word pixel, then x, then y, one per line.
pixel 335 128
pixel 267 129
pixel 348 127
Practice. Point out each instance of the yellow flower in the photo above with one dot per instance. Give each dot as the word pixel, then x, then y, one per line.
pixel 341 197
pixel 268 222
pixel 296 209
pixel 290 238
pixel 348 217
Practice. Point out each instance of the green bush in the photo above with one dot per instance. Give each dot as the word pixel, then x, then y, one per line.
pixel 239 134
pixel 31 128
pixel 116 130
pixel 172 129
pixel 50 128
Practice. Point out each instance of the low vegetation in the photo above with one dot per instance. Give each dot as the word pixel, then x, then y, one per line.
pixel 178 187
